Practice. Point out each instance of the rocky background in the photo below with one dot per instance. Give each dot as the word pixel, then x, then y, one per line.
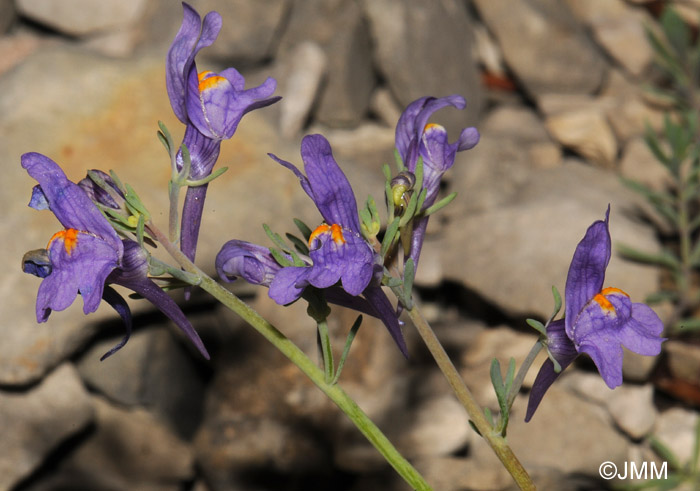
pixel 556 90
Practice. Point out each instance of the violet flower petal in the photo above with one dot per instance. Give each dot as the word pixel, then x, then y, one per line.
pixel 587 270
pixel 122 308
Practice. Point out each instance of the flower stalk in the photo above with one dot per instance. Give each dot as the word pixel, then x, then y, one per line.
pixel 346 404
pixel 496 441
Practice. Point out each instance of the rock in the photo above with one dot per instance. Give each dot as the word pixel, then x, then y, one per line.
pixel 440 427
pixel 636 367
pixel 563 418
pixel 339 27
pixel 36 421
pixel 500 343
pixel 459 473
pixel 305 70
pixel 639 164
pixel 383 105
pixel 544 46
pixel 676 429
pixel 488 52
pixel 82 17
pixel 683 360
pixel 589 386
pixel 619 29
pixel 250 31
pixel 15 47
pixel 7 15
pixel 369 142
pixel 129 449
pixel 154 371
pixel 632 409
pixel 587 133
pixel 414 40
pixel 513 253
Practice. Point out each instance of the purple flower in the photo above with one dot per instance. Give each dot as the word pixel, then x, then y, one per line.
pixel 210 104
pixel 598 321
pixel 341 261
pixel 416 138
pixel 88 255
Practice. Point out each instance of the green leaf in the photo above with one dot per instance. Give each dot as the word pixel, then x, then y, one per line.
pixel 398 161
pixel 537 325
pixel 557 302
pixel 654 145
pixel 440 204
pixel 299 244
pixel 664 452
pixel 665 258
pixel 386 170
pixel 206 180
pixel 346 349
pixel 303 228
pixel 676 32
pixel 281 259
pixel 389 236
pixel 687 325
pixel 410 209
pixel 662 296
pixel 408 277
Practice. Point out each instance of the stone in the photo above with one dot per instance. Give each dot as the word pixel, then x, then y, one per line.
pixel 155 371
pixel 488 52
pixel 620 29
pixel 639 164
pixel 7 15
pixel 508 250
pixel 544 46
pixel 683 360
pixel 458 473
pixel 587 133
pixel 414 41
pixel 383 105
pixel 250 31
pixel 589 386
pixel 82 17
pixel 439 427
pixel 563 418
pixel 632 409
pixel 676 429
pixel 306 67
pixel 15 47
pixel 34 422
pixel 340 29
pixel 129 449
pixel 500 343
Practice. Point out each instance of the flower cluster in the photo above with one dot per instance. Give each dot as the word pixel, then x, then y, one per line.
pixel 210 105
pixel 88 255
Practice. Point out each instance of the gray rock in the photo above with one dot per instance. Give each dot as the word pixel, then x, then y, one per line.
pixel 586 132
pixel 384 107
pixel 251 28
pixel 82 17
pixel 676 429
pixel 512 254
pixel 440 427
pixel 154 371
pixel 544 45
pixel 639 164
pixel 563 418
pixel 340 29
pixel 683 360
pixel 416 40
pixel 7 15
pixel 632 409
pixel 36 421
pixel 129 449
pixel 458 473
pixel 619 29
pixel 304 70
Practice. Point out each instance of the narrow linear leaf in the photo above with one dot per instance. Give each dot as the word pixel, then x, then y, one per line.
pixel 346 349
pixel 537 325
pixel 299 244
pixel 440 204
pixel 303 228
pixel 281 259
pixel 665 258
pixel 398 160
pixel 389 236
pixel 206 180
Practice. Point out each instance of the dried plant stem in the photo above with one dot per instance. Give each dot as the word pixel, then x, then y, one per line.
pixel 475 412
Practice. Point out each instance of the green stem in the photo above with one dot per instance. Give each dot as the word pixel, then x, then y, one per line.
pixel 301 360
pixel 524 368
pixel 475 412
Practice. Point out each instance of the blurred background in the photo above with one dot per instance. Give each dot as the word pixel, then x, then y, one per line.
pixel 564 94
